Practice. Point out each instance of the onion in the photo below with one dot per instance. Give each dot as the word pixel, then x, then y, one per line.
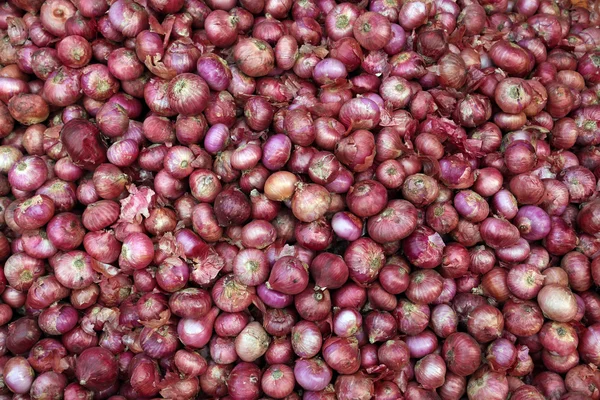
pixel 524 281
pixel 356 386
pixel 310 202
pixel 487 384
pixel 430 371
pixel 196 333
pixel 498 233
pixel 306 339
pixel 188 94
pixel 312 374
pixel 313 305
pixel 252 342
pixel 82 143
pixel 96 367
pixel 461 353
pixel 340 21
pixel 501 355
pixel 442 217
pixel 485 323
pixel 394 354
pixel 411 318
pixel 278 381
pixel 561 238
pixel 558 303
pixel 444 320
pixel 360 113
pixel 254 57
pixel 18 375
pixel 582 379
pixel 342 354
pixel 355 256
pixel 328 271
pixel 395 222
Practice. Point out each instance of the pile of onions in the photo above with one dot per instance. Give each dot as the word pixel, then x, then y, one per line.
pixel 299 199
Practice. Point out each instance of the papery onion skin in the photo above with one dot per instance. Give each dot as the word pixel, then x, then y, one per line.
pixel 90 152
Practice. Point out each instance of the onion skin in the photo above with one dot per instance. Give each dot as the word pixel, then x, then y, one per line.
pixel 83 144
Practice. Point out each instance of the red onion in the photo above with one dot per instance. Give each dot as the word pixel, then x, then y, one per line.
pixel 346 322
pixel 196 333
pixel 559 364
pixel 278 381
pixel 306 339
pixel 357 386
pixel 96 367
pixel 486 384
pixel 288 275
pixel 561 239
pixel 18 375
pixel 313 305
pixel 420 189
pixel 328 271
pixel 454 386
pixel 582 379
pixel 357 150
pixel 422 344
pixel 379 326
pixel 444 320
pixel 524 281
pixel 355 256
pixel 411 318
pixel 82 142
pixel 577 267
pixel 395 222
pixel 501 354
pixel 442 217
pixel 360 198
pixel 58 319
pixel 557 303
pixel 312 374
pixel 394 354
pixel 254 57
pixel 424 248
pixel 342 354
pixel 430 371
pixel 340 20
pixel 360 113
pixel 461 353
pixel 498 233
pixel 485 323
